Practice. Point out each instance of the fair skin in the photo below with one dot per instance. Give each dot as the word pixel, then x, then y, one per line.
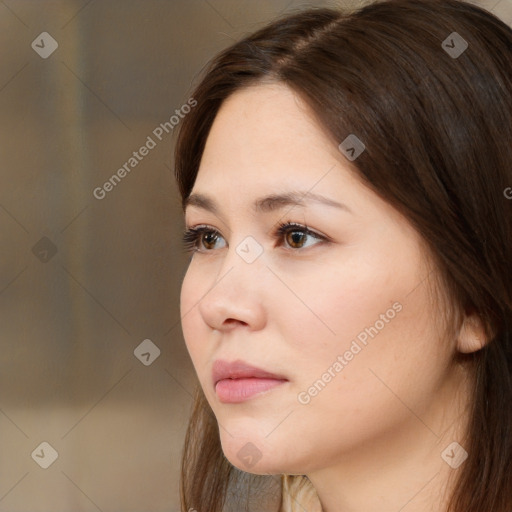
pixel 371 439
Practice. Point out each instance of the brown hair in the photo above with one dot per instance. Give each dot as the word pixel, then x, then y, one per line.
pixel 438 134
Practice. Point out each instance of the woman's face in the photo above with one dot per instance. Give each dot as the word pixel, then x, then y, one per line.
pixel 341 316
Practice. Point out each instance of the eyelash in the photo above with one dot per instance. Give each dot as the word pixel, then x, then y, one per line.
pixel 191 236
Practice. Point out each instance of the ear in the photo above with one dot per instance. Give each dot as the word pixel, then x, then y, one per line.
pixel 472 336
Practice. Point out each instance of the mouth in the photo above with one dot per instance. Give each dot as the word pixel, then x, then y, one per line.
pixel 238 381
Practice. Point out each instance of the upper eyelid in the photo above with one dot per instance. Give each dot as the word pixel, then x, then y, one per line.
pixel 275 228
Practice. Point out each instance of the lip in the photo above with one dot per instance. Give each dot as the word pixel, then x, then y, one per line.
pixel 237 381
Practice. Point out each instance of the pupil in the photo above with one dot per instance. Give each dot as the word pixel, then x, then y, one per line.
pixel 296 237
pixel 209 238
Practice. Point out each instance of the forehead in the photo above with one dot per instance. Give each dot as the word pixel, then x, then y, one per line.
pixel 265 133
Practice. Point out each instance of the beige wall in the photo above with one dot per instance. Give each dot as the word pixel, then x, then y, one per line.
pixel 70 321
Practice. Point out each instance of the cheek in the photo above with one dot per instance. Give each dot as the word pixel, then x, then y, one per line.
pixel 339 304
pixel 386 351
pixel 191 325
pixel 367 315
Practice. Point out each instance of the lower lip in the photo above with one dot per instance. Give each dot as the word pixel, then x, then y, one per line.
pixel 232 391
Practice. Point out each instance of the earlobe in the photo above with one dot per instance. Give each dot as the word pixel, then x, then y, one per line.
pixel 472 336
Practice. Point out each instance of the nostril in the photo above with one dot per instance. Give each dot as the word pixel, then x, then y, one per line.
pixel 230 321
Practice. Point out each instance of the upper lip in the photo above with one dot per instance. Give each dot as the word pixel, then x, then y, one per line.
pixel 239 370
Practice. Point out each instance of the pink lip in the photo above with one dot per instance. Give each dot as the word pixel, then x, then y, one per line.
pixel 238 381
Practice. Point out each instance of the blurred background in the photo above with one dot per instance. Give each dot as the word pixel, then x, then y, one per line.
pixel 95 381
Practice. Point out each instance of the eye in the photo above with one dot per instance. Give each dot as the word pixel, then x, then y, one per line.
pixel 296 234
pixel 193 236
pixel 203 238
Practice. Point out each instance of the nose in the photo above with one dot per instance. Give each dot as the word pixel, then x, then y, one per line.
pixel 235 296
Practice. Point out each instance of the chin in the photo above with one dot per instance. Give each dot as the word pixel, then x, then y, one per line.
pixel 255 455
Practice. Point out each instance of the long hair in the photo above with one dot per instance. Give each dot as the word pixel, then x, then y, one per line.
pixel 427 86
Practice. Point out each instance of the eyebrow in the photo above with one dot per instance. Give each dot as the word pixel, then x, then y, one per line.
pixel 268 203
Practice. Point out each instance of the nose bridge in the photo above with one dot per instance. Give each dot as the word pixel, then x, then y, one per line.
pixel 234 293
pixel 243 263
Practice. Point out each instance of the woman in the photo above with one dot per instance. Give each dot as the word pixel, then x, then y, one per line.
pixel 347 305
